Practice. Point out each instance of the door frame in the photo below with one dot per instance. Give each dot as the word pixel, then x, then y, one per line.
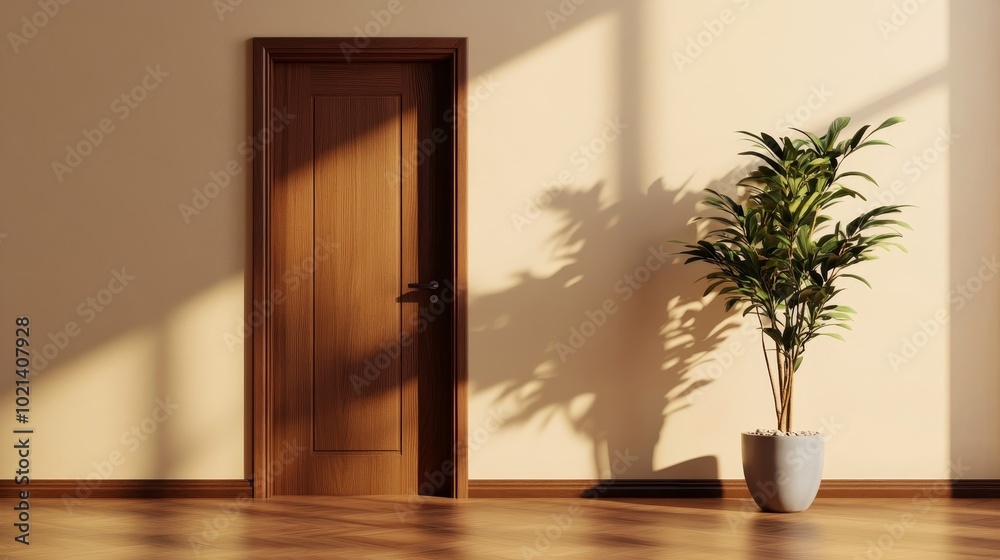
pixel 266 52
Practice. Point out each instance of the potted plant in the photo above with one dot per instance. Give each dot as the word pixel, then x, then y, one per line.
pixel 779 256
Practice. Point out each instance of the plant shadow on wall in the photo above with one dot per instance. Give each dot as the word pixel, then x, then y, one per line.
pixel 617 340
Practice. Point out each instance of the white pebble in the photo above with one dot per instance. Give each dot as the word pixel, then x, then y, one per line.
pixel 761 432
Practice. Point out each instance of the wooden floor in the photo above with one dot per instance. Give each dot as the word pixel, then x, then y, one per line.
pixel 385 527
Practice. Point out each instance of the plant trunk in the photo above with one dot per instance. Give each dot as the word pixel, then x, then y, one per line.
pixel 786 374
pixel 788 407
pixel 780 409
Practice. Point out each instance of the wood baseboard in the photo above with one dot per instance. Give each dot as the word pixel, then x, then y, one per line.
pixel 605 489
pixel 730 488
pixel 677 488
pixel 111 488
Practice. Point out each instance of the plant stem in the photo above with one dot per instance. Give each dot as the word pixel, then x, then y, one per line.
pixel 781 385
pixel 788 406
pixel 786 397
pixel 770 375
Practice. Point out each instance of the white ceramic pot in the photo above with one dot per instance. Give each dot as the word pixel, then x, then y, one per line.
pixel 783 472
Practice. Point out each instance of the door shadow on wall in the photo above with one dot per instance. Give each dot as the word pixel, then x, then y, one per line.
pixel 616 341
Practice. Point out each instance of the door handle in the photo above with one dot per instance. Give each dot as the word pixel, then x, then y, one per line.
pixel 432 285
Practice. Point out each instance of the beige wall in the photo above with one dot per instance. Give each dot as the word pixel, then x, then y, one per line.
pixel 665 381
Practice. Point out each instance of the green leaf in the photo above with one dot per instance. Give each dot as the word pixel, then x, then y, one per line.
pixel 844 191
pixel 751 135
pixel 820 148
pixel 856 174
pixel 774 165
pixel 817 162
pixel 858 136
pixel 774 334
pixel 873 143
pixel 856 277
pixel 788 336
pixel 771 144
pixel 884 223
pixel 889 122
pixel 838 125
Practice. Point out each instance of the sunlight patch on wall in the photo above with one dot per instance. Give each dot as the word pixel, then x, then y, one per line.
pixel 110 392
pixel 205 368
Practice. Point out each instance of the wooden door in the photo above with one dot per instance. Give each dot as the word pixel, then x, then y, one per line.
pixel 360 345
